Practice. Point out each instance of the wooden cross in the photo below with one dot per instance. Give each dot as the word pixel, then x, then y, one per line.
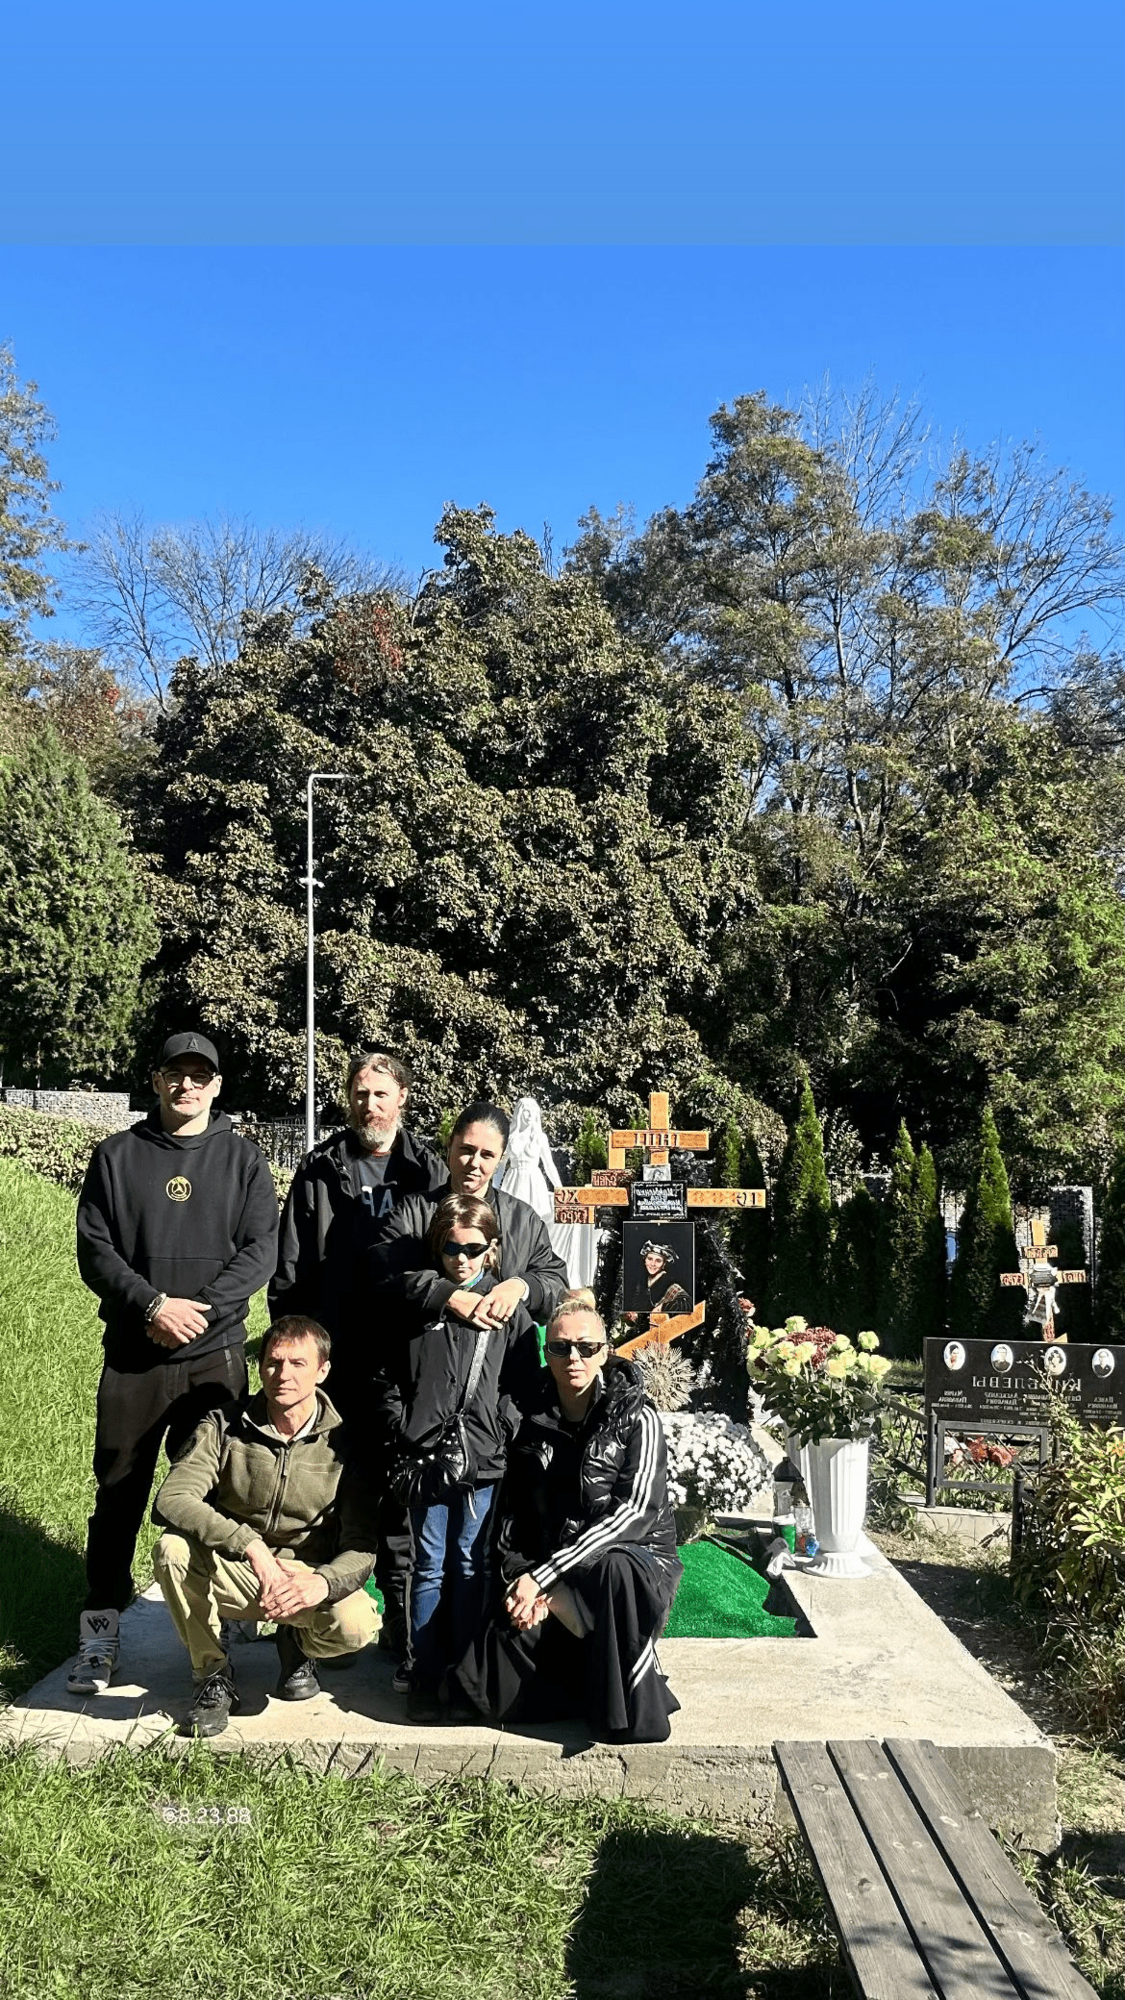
pixel 610 1187
pixel 1041 1252
pixel 656 1140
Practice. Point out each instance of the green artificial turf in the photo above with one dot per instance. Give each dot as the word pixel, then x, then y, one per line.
pixel 722 1597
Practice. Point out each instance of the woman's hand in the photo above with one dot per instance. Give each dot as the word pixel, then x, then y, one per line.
pixel 525 1603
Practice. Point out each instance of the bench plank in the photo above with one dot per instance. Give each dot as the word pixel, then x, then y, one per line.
pixel 1026 1939
pixel 876 1943
pixel 958 1954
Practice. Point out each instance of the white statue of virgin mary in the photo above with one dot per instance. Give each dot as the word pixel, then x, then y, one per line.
pixel 528 1171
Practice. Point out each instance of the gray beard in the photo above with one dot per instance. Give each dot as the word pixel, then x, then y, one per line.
pixel 375 1139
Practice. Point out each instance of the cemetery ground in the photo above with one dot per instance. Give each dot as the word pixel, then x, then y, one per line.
pixel 204 1876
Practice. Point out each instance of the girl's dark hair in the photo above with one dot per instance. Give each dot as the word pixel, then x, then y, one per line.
pixel 464 1211
pixel 481 1112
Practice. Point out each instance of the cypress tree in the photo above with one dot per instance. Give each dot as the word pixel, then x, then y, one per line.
pixel 901 1245
pixel 750 1235
pixel 1110 1300
pixel 800 1276
pixel 980 1307
pixel 728 1155
pixel 930 1281
pixel 857 1264
pixel 590 1148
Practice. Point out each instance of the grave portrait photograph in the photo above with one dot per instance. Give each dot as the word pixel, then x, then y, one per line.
pixel 658 1267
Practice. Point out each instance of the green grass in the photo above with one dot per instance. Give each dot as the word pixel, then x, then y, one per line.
pixel 52 1359
pixel 378 1887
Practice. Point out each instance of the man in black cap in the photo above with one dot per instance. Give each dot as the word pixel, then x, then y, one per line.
pixel 177 1228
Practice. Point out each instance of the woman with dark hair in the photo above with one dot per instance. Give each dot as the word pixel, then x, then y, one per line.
pixel 657 1290
pixel 443 1402
pixel 529 1271
pixel 587 1551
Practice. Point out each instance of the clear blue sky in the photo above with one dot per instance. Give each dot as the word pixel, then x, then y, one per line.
pixel 336 269
pixel 356 390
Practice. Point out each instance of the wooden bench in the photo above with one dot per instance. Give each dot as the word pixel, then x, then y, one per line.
pixel 926 1904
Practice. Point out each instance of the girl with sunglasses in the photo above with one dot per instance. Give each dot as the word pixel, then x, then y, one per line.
pixel 587 1550
pixel 444 1400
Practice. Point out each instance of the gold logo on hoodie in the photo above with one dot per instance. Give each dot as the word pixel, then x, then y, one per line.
pixel 178 1189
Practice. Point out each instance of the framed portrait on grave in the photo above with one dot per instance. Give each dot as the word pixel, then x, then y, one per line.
pixel 658 1268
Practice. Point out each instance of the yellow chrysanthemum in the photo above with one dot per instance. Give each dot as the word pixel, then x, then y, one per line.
pixel 868 1340
pixel 837 1368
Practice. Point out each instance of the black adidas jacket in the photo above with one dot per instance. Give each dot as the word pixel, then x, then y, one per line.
pixel 574 1491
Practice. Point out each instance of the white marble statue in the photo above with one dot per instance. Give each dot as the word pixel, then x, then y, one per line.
pixel 528 1171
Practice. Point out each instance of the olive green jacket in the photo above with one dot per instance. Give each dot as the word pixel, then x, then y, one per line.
pixel 233 1484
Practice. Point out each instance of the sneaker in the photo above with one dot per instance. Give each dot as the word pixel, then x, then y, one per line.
pixel 215 1701
pixel 98 1647
pixel 297 1680
pixel 400 1679
pixel 423 1705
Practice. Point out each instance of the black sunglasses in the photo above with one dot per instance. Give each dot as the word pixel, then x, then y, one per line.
pixel 465 1249
pixel 586 1348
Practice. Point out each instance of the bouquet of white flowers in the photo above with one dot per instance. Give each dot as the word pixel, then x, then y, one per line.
pixel 714 1464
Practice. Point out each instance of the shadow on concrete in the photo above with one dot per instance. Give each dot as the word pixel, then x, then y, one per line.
pixel 664 1917
pixel 42 1589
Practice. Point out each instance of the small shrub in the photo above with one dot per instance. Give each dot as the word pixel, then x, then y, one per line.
pixel 57 1148
pixel 1070 1564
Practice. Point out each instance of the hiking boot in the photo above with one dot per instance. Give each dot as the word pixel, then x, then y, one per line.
pixel 98 1647
pixel 215 1701
pixel 297 1680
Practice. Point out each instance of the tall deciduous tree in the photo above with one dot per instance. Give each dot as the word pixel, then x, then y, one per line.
pixel 29 528
pixel 75 928
pixel 1109 1302
pixel 800 1272
pixel 153 595
pixel 523 875
pixel 979 1306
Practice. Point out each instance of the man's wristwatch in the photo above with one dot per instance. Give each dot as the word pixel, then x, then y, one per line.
pixel 159 1302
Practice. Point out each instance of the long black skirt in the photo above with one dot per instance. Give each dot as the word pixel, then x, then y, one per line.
pixel 611 1677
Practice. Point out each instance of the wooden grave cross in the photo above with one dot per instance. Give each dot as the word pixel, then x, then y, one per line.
pixel 610 1189
pixel 1040 1252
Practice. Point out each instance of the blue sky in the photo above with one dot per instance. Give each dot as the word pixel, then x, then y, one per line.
pixel 336 270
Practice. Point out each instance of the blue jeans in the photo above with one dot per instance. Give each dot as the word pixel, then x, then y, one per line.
pixel 450 1545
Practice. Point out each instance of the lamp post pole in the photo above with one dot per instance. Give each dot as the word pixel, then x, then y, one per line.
pixel 311 884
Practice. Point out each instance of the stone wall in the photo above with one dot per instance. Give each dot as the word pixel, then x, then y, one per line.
pixel 108 1108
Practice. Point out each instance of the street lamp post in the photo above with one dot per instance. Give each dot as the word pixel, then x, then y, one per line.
pixel 311 883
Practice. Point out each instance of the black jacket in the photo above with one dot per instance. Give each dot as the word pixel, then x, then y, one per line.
pixel 401 1266
pixel 572 1492
pixel 327 1228
pixel 194 1216
pixel 421 1383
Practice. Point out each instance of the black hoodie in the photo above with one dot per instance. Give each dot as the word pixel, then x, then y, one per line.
pixel 194 1216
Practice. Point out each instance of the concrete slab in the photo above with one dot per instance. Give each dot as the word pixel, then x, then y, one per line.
pixel 879 1663
pixel 974 1525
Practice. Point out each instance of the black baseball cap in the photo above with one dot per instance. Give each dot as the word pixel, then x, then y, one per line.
pixel 189 1045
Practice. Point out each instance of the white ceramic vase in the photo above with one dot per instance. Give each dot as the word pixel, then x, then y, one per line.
pixel 837 1485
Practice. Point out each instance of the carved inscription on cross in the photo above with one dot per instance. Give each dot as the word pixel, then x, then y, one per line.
pixel 1039 1279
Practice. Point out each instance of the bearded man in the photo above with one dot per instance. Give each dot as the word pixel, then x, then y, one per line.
pixel 342 1196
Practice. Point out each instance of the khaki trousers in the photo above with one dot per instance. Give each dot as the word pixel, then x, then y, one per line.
pixel 201 1587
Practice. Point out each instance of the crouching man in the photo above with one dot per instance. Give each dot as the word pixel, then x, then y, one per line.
pixel 264 1520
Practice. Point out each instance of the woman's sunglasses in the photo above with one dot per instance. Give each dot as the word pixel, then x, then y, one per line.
pixel 586 1348
pixel 465 1250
